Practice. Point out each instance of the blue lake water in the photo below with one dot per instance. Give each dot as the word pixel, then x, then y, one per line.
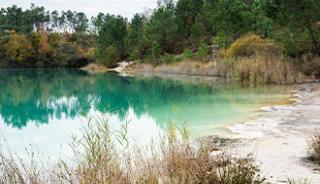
pixel 44 107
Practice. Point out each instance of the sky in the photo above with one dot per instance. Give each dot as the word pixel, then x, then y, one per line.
pixel 126 8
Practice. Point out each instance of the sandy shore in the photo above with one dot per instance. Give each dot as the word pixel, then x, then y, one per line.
pixel 94 68
pixel 279 138
pixel 189 68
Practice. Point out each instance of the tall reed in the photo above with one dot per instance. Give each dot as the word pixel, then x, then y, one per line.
pixel 105 156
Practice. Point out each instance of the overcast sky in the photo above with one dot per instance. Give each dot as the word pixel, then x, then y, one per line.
pixel 125 8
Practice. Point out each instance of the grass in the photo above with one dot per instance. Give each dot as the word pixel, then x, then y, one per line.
pixel 314 146
pixel 259 70
pixel 252 60
pixel 102 156
pixel 304 181
pixel 187 67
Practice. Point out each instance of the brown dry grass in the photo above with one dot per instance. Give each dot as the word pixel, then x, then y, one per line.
pixel 314 146
pixel 176 159
pixel 192 68
pixel 253 60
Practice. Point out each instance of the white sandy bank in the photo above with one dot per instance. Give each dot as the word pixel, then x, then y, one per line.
pixel 281 135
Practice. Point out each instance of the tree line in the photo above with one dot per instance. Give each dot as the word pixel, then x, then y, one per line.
pixel 37 37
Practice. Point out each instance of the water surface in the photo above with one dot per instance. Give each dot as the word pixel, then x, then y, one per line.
pixel 45 107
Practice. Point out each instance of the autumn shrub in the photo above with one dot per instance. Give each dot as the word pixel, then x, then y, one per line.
pixel 18 47
pixel 250 45
pixel 91 54
pixel 44 42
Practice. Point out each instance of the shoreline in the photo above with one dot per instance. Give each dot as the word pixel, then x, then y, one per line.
pixel 188 68
pixel 279 138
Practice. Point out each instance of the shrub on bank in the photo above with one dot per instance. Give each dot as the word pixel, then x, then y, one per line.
pixel 187 54
pixel 202 51
pixel 112 56
pixel 251 45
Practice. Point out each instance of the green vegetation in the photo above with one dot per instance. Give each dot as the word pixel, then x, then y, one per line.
pixel 195 29
pixel 174 159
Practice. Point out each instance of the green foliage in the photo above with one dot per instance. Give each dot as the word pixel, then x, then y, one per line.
pixel 134 55
pixel 135 37
pixel 15 18
pixel 230 19
pixel 187 54
pixel 202 51
pixel 161 28
pixel 155 51
pixel 112 35
pixel 299 18
pixel 165 30
pixel 35 42
pixel 112 56
pixel 187 12
pixel 167 58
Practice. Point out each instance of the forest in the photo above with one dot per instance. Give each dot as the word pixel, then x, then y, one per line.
pixel 198 30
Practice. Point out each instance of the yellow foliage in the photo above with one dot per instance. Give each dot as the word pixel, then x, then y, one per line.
pixel 252 44
pixel 44 45
pixel 18 47
pixel 91 53
pixel 318 25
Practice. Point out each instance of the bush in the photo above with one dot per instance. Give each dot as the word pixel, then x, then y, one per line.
pixel 134 55
pixel 187 54
pixel 250 45
pixel 18 48
pixel 295 44
pixel 202 51
pixel 155 51
pixel 167 58
pixel 91 54
pixel 112 56
pixel 242 171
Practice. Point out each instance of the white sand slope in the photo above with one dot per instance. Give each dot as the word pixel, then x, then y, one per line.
pixel 281 136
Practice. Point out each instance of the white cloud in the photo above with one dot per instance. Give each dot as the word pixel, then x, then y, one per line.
pixel 125 8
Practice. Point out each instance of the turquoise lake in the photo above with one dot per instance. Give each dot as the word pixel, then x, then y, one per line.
pixel 44 107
